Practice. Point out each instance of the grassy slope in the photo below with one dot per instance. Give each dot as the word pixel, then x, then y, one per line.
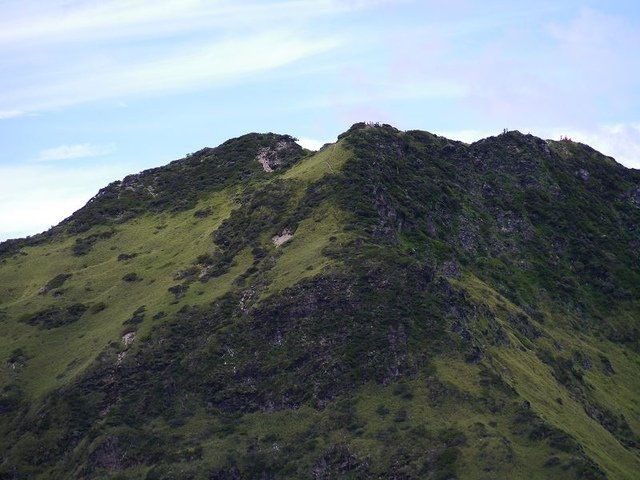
pixel 534 381
pixel 163 245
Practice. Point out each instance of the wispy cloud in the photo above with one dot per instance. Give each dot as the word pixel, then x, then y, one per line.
pixel 171 46
pixel 381 91
pixel 206 67
pixel 202 66
pixel 73 152
pixel 5 114
pixel 37 196
pixel 60 21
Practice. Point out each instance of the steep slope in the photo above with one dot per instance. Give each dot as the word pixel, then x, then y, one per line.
pixel 396 305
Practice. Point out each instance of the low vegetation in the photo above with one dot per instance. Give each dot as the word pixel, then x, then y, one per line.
pixel 439 310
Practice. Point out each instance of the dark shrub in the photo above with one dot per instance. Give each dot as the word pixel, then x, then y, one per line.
pixel 97 307
pixel 132 277
pixel 55 282
pixel 53 317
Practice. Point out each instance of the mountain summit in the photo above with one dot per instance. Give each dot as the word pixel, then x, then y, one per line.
pixel 396 305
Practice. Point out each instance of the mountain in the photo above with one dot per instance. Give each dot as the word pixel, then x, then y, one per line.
pixel 396 305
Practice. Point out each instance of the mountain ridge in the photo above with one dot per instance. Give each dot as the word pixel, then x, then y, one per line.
pixel 288 138
pixel 395 305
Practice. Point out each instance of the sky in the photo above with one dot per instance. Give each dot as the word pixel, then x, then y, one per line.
pixel 93 90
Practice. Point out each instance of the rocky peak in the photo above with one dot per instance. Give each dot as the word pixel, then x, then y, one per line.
pixel 274 156
pixel 368 126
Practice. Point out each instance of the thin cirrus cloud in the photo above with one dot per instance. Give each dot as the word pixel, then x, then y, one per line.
pixel 73 152
pixel 112 19
pixel 221 61
pixel 171 46
pixel 381 91
pixel 193 67
pixel 6 114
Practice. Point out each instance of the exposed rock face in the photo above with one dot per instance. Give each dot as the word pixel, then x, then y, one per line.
pixel 338 462
pixel 583 173
pixel 273 157
pixel 128 338
pixel 285 236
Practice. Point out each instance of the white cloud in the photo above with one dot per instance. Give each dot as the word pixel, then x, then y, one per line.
pixel 5 114
pixel 377 91
pixel 192 67
pixel 466 136
pixel 214 63
pixel 310 143
pixel 37 214
pixel 38 196
pixel 63 53
pixel 72 152
pixel 60 21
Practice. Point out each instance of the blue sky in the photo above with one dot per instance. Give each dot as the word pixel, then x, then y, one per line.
pixel 91 90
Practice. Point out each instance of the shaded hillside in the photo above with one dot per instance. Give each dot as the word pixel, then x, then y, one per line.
pixel 396 305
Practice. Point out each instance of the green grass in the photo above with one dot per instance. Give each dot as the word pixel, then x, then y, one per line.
pixel 302 256
pixel 330 160
pixel 490 444
pixel 462 375
pixel 163 244
pixel 534 381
